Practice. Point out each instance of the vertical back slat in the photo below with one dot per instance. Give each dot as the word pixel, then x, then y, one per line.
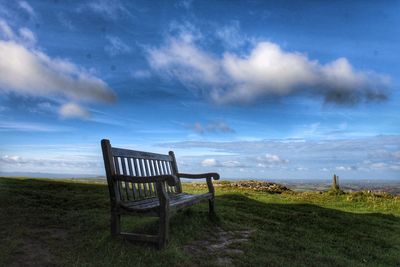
pixel 170 171
pixel 153 172
pixel 124 172
pixel 159 167
pixel 138 173
pixel 117 170
pixel 131 173
pixel 147 168
pixel 165 172
pixel 141 167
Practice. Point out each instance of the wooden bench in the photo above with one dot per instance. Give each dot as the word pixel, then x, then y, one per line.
pixel 143 183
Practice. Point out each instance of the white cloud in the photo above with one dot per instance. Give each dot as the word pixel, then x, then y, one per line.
pixel 28 71
pixel 230 36
pixel 27 8
pixel 27 36
pixel 32 72
pixel 5 30
pixel 42 164
pixel 112 9
pixel 181 59
pixel 73 110
pixel 378 166
pixel 210 163
pixel 11 159
pixel 266 71
pixel 24 36
pixel 141 74
pixel 232 164
pixel 269 159
pixel 30 127
pixel 116 46
pixel 362 157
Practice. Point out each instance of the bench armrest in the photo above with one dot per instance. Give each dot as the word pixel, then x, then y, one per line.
pixel 171 180
pixel 213 175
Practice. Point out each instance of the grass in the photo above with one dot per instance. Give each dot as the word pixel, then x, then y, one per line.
pixel 47 222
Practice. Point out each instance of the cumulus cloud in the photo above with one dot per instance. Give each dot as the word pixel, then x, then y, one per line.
pixel 28 71
pixel 181 59
pixel 267 70
pixel 34 73
pixel 11 159
pixel 213 127
pixel 268 160
pixel 116 46
pixel 211 162
pixel 73 110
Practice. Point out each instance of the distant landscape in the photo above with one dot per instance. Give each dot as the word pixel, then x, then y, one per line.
pixel 299 185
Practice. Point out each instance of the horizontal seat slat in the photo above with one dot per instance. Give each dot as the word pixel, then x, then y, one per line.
pixel 178 200
pixel 120 152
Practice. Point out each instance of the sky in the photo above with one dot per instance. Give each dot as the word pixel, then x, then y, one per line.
pixel 250 89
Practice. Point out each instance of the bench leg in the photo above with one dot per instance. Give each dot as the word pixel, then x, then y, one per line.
pixel 163 236
pixel 115 224
pixel 211 207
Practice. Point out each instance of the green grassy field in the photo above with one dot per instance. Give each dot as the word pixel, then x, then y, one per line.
pixel 47 222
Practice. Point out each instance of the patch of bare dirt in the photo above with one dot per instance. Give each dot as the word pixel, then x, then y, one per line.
pixel 35 251
pixel 221 243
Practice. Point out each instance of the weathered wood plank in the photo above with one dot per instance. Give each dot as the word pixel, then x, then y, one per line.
pixel 120 152
pixel 138 173
pixel 131 173
pixel 164 216
pixel 153 172
pixel 177 200
pixel 174 168
pixel 125 172
pixel 141 167
pixel 149 185
pixel 117 170
pixel 139 237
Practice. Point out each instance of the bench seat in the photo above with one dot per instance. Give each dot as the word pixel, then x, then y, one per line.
pixel 176 201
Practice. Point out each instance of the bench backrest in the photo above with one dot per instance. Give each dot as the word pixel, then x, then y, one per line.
pixel 136 164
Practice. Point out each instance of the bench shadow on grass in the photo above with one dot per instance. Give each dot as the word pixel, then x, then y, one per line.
pixel 285 234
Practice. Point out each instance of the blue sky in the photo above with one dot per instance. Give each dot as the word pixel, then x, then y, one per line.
pixel 256 89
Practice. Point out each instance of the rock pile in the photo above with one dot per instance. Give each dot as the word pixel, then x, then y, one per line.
pixel 269 187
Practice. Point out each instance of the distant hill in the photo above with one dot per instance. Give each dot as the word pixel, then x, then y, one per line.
pixel 49 175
